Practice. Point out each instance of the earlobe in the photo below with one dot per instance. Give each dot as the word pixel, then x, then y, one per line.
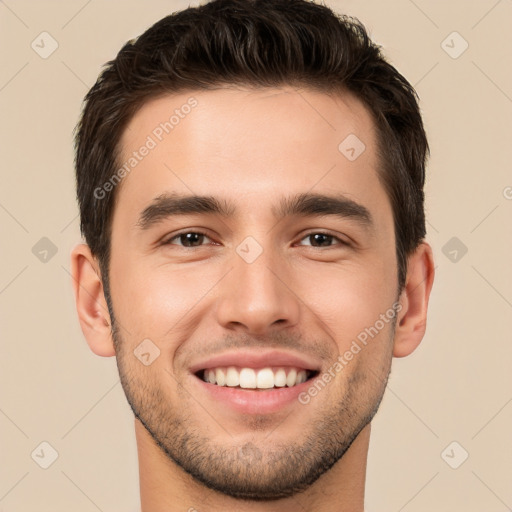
pixel 90 301
pixel 412 318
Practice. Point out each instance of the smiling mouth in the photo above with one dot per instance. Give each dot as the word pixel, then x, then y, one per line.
pixel 267 378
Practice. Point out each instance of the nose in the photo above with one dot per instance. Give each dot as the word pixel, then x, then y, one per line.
pixel 257 297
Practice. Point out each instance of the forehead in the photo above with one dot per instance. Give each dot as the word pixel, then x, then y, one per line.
pixel 250 143
pixel 291 115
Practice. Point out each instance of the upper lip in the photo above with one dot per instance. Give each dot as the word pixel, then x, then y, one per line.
pixel 260 359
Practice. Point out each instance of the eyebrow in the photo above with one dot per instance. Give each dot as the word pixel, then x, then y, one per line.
pixel 301 205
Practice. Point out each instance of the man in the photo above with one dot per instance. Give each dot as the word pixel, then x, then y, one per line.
pixel 250 179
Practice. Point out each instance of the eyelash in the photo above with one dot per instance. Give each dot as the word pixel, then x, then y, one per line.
pixel 198 232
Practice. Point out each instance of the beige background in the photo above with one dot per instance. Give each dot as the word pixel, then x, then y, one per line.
pixel 455 387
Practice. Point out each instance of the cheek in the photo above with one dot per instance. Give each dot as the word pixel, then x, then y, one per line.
pixel 157 301
pixel 348 300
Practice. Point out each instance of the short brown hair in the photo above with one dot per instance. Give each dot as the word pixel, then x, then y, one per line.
pixel 256 43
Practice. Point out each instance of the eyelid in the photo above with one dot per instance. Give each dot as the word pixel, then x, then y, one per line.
pixel 342 241
pixel 167 239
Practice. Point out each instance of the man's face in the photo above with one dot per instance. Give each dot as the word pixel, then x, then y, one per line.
pixel 256 289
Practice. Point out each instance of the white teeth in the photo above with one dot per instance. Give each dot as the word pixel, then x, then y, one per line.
pixel 265 379
pixel 249 378
pixel 291 378
pixel 280 378
pixel 301 377
pixel 232 377
pixel 220 376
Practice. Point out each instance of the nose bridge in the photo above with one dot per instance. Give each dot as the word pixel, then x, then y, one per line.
pixel 254 294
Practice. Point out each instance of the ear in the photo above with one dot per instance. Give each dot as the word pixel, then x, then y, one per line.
pixel 412 318
pixel 90 301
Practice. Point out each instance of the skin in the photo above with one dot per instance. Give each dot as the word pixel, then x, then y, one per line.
pixel 244 145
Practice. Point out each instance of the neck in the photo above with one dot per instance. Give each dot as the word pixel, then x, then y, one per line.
pixel 165 487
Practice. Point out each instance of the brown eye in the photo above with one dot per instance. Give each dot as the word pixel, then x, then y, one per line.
pixel 320 239
pixel 189 239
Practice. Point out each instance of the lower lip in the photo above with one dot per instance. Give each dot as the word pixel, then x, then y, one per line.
pixel 250 401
